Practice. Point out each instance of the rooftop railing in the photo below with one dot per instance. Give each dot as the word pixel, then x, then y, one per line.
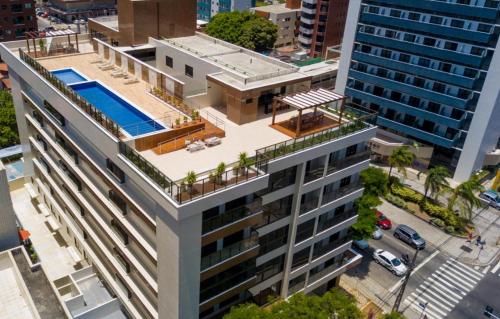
pixel 91 110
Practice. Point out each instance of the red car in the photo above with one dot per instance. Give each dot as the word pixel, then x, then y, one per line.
pixel 382 221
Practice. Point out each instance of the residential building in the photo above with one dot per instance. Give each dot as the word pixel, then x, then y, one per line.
pixel 4 77
pixel 174 247
pixel 322 25
pixel 207 9
pixel 16 18
pixel 8 229
pixel 68 10
pixel 430 69
pixel 286 16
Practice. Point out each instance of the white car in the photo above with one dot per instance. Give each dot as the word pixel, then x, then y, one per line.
pixel 377 234
pixel 390 262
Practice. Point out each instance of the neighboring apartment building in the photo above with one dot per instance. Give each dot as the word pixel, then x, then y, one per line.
pixel 430 68
pixel 206 9
pixel 69 10
pixel 322 25
pixel 170 247
pixel 16 17
pixel 286 17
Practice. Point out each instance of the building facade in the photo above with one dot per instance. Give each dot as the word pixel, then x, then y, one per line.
pixel 430 69
pixel 206 9
pixel 286 17
pixel 167 246
pixel 16 17
pixel 68 11
pixel 8 228
pixel 322 25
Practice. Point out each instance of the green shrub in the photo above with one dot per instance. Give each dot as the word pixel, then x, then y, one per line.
pixel 443 213
pixel 438 222
pixel 407 194
pixel 395 200
pixel 449 229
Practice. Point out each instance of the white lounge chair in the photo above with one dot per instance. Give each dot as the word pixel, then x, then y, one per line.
pixel 196 146
pixel 104 63
pixel 212 141
pixel 132 80
pixel 98 60
pixel 108 67
pixel 120 73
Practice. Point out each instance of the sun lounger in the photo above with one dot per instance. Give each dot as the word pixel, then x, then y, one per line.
pixel 104 63
pixel 132 80
pixel 109 67
pixel 98 60
pixel 212 141
pixel 121 73
pixel 196 146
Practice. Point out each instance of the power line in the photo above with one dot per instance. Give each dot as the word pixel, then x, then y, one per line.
pixel 399 297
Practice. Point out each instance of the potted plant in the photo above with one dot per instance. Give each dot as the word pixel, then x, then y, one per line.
pixel 185 118
pixel 177 122
pixel 219 171
pixel 190 180
pixel 243 162
pixel 193 115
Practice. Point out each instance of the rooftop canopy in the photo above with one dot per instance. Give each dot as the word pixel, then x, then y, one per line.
pixel 310 99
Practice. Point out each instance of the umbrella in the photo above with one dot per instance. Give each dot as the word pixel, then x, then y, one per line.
pixel 24 234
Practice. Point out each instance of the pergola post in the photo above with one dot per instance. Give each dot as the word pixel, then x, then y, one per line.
pixel 274 110
pixel 28 44
pixel 341 110
pixel 299 123
pixel 34 46
pixel 76 39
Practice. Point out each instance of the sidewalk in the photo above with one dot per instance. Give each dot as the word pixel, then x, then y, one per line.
pixel 55 258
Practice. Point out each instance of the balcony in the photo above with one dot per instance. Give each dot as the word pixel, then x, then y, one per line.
pixel 319 251
pixel 230 251
pixel 417 70
pixel 323 225
pixel 418 133
pixel 232 216
pixel 341 192
pixel 339 164
pixel 350 260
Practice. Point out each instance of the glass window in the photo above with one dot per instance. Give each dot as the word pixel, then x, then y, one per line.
pixel 301 257
pixel 395 13
pixel 436 20
pixel 409 37
pixel 115 170
pixel 457 23
pixel 118 201
pixel 188 70
pixel 414 16
pixel 404 58
pixel 305 230
pixel 484 28
pixel 169 61
pixel 451 46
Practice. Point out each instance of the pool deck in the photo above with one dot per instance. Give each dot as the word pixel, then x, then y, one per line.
pixel 136 93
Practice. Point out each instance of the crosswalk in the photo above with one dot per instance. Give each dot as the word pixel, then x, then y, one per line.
pixel 444 289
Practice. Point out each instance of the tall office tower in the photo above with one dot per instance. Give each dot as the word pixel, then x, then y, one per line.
pixel 322 25
pixel 430 68
pixel 127 148
pixel 16 18
pixel 209 8
pixel 8 229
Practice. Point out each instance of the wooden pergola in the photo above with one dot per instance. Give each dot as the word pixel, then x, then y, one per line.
pixel 311 99
pixel 34 35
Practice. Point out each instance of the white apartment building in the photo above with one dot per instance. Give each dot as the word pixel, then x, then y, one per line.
pixel 109 157
pixel 286 18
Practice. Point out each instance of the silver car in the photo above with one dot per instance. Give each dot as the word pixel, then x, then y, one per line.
pixel 390 262
pixel 377 234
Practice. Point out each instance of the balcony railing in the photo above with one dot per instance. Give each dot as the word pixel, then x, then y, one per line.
pixel 230 251
pixel 319 251
pixel 91 110
pixel 340 192
pixel 298 144
pixel 348 161
pixel 328 270
pixel 314 174
pixel 231 216
pixel 322 225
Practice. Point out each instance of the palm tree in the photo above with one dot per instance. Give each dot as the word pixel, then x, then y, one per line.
pixel 436 181
pixel 464 196
pixel 400 158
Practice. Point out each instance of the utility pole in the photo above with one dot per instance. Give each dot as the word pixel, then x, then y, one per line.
pixel 399 297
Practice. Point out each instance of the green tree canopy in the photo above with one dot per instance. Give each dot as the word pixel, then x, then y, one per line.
pixel 367 220
pixel 401 158
pixel 243 28
pixel 375 181
pixel 301 306
pixel 465 198
pixel 8 125
pixel 436 181
pixel 393 315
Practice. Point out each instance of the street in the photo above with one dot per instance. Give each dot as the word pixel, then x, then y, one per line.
pixel 448 271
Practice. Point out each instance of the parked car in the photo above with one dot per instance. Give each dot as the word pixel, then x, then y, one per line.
pixel 492 198
pixel 377 234
pixel 382 221
pixel 390 262
pixel 409 236
pixel 361 244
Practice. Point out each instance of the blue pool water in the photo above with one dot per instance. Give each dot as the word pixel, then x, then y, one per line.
pixel 114 107
pixel 68 76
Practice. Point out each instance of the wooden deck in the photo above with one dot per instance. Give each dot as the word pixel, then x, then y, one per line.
pixel 179 143
pixel 288 127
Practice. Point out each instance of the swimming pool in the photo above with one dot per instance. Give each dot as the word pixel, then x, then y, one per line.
pixel 116 108
pixel 69 76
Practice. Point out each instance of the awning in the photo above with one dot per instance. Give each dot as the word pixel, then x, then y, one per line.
pixel 24 234
pixel 44 209
pixel 53 223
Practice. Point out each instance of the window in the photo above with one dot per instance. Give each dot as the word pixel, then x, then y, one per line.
pixel 438 87
pixel 120 232
pixel 57 116
pixel 169 61
pixel 400 77
pixel 395 13
pixel 409 37
pixel 305 230
pixel 122 260
pixel 390 34
pixel 476 51
pixel 436 20
pixel 414 16
pixel 115 170
pixel 445 67
pixel 345 181
pixel 484 28
pixel 470 73
pixel 385 53
pixel 374 10
pixel 451 46
pixel 16 8
pixel 351 150
pixel 404 58
pixel 457 23
pixel 419 82
pixel 429 42
pixel 301 257
pixel 118 200
pixel 188 70
pixel 71 152
pixel 424 62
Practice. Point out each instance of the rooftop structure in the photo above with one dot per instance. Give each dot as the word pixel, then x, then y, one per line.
pixel 170 178
pixel 208 9
pixel 17 18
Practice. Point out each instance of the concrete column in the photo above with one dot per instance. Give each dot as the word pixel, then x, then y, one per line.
pixel 8 229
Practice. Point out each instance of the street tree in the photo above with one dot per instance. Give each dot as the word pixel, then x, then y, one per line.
pixel 367 220
pixel 392 315
pixel 464 197
pixel 375 181
pixel 401 158
pixel 8 126
pixel 436 181
pixel 243 28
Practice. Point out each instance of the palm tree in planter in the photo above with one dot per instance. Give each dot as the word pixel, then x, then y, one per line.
pixel 219 171
pixel 243 162
pixel 190 180
pixel 400 158
pixel 436 181
pixel 464 196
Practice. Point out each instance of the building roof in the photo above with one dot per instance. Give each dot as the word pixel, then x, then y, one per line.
pixel 107 21
pixel 320 67
pixel 275 8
